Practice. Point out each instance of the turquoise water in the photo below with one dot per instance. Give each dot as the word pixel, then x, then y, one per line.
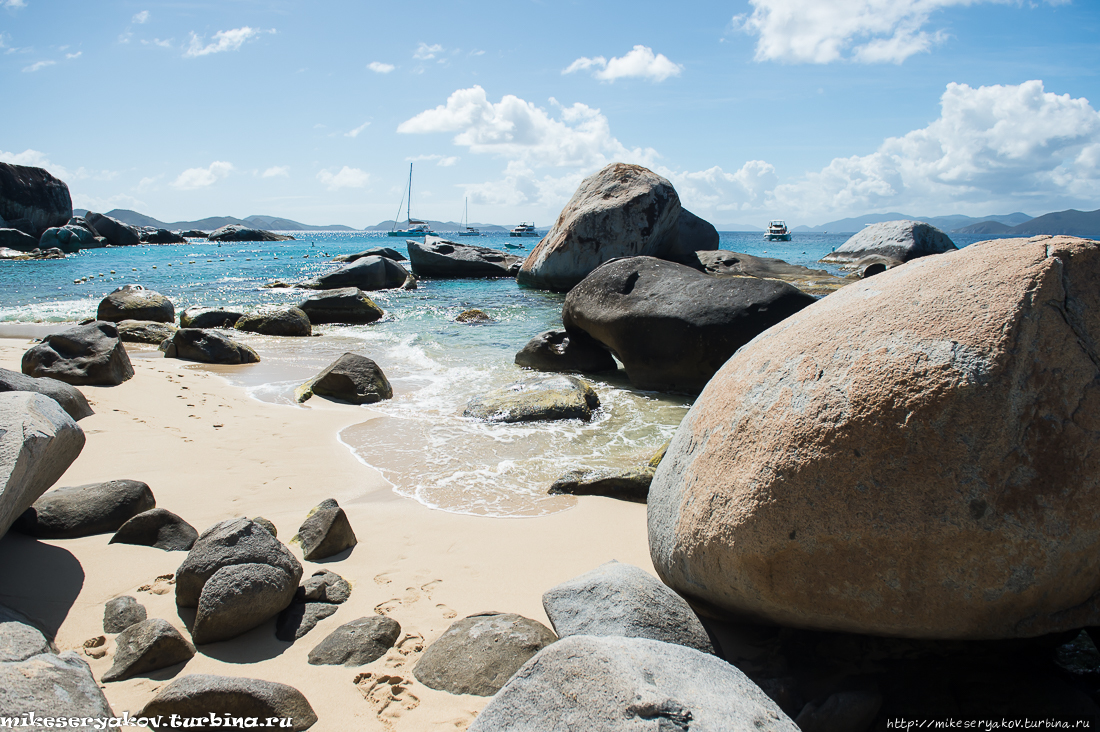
pixel 418 439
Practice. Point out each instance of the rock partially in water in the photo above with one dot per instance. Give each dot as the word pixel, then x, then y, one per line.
pixel 287 322
pixel 351 378
pixel 236 232
pixel 196 344
pixel 723 263
pixel 85 510
pixel 17 240
pixel 441 259
pixel 157 528
pixel 34 198
pixel 117 233
pixel 209 317
pixel 67 238
pixel 565 352
pixel 628 484
pixel 122 612
pixel 134 302
pixel 357 643
pixel 386 252
pixel 148 646
pixel 151 235
pixel 368 273
pixel 695 235
pixel 69 397
pixel 199 695
pixel 145 331
pixel 473 316
pixel 536 399
pixel 89 354
pixel 893 241
pixel 346 305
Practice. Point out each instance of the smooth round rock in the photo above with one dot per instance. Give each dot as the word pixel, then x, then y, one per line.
pixel 134 302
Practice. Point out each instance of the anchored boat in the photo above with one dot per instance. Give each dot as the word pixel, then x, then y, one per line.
pixel 777 231
pixel 414 228
pixel 524 229
pixel 470 231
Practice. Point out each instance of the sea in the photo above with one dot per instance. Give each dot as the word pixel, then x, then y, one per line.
pixel 418 440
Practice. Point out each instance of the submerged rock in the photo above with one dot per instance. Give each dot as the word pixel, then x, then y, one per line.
pixel 87 354
pixel 85 510
pixel 350 378
pixel 562 351
pixel 473 316
pixel 534 399
pixel 199 695
pixel 69 397
pixel 195 344
pixel 134 302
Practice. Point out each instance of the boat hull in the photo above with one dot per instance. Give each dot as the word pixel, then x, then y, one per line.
pixel 777 237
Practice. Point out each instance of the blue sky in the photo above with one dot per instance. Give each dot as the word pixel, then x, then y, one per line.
pixel 809 110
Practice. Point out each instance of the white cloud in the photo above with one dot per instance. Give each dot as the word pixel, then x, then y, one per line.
pixel 38 159
pixel 357 130
pixel 276 171
pixel 157 42
pixel 640 63
pixel 13 4
pixel 229 40
pixel 992 147
pixel 716 190
pixel 380 68
pixel 193 178
pixel 78 54
pixel 867 31
pixel 345 178
pixel 142 17
pixel 443 161
pixel 38 66
pixel 424 52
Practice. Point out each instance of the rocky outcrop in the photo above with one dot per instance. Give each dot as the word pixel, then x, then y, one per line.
pixel 89 354
pixel 38 442
pixel 565 352
pixel 114 231
pixel 69 397
pixel 671 326
pixel 236 232
pixel 325 532
pixel 69 239
pixel 34 198
pixel 441 259
pixel 17 240
pixel 85 510
pixel 357 643
pixel 535 399
pixel 351 378
pixel 122 612
pixel 199 695
pixel 368 273
pixel 622 600
pixel 895 242
pixel 134 302
pixel 914 455
pixel 386 252
pixel 207 317
pixel 193 234
pixel 478 654
pixel 621 211
pixel 348 305
pixel 616 684
pixel 145 331
pixel 724 263
pixel 629 484
pixel 35 254
pixel 157 528
pixel 148 646
pixel 195 344
pixel 83 224
pixel 51 685
pixel 150 235
pixel 289 322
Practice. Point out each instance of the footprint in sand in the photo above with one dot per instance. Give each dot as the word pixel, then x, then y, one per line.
pixel 404 650
pixel 388 695
pixel 387 607
pixel 383 579
pixel 162 585
pixel 447 612
pixel 429 587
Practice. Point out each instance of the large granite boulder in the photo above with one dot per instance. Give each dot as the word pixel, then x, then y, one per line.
pixel 671 326
pixel 629 685
pixel 623 600
pixel 443 259
pixel 621 211
pixel 89 354
pixel 236 232
pixel 346 305
pixel 478 654
pixel 83 223
pixel 562 351
pixel 894 242
pixel 19 638
pixel 51 686
pixel 145 331
pixel 287 322
pixel 914 455
pixel 208 317
pixel 196 344
pixel 34 196
pixel 350 378
pixel 325 532
pixel 17 240
pixel 357 643
pixel 151 235
pixel 38 442
pixel 134 302
pixel 114 231
pixel 69 397
pixel 695 235
pixel 157 528
pixel 386 252
pixel 148 646
pixel 238 597
pixel 85 510
pixel 199 695
pixel 536 399
pixel 368 273
pixel 69 239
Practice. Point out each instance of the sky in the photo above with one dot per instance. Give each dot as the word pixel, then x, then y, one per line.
pixel 806 110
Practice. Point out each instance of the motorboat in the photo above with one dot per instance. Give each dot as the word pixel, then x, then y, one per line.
pixel 524 229
pixel 414 228
pixel 777 231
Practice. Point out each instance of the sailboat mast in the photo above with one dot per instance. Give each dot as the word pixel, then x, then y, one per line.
pixel 408 210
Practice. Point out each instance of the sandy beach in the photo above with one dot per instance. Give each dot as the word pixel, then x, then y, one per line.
pixel 209 452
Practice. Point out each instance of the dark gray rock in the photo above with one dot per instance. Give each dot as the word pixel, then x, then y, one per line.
pixel 235 541
pixel 51 686
pixel 629 685
pixel 117 233
pixel 478 654
pixel 202 694
pixel 69 397
pixel 724 263
pixel 324 586
pixel 89 354
pixel 893 241
pixel 122 612
pixel 193 234
pixel 236 232
pixel 239 597
pixel 695 234
pixel 148 646
pixel 83 224
pixel 196 344
pixel 34 254
pixel 38 442
pixel 630 484
pixel 442 259
pixel 19 639
pixel 33 196
pixel 69 239
pixel 535 399
pixel 145 331
pixel 671 326
pixel 345 305
pixel 301 617
pixel 267 525
pixel 357 643
pixel 368 273
pixel 844 711
pixel 157 528
pixel 151 235
pixel 622 600
pixel 325 532
pixel 205 317
pixel 85 510
pixel 350 378
pixel 17 240
pixel 134 302
pixel 386 252
pixel 565 352
pixel 287 322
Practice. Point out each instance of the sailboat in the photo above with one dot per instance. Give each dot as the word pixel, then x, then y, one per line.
pixel 470 231
pixel 416 228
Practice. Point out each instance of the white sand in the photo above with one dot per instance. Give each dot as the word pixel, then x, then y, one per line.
pixel 209 453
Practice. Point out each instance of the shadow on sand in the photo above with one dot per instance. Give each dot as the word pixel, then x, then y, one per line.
pixel 39 580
